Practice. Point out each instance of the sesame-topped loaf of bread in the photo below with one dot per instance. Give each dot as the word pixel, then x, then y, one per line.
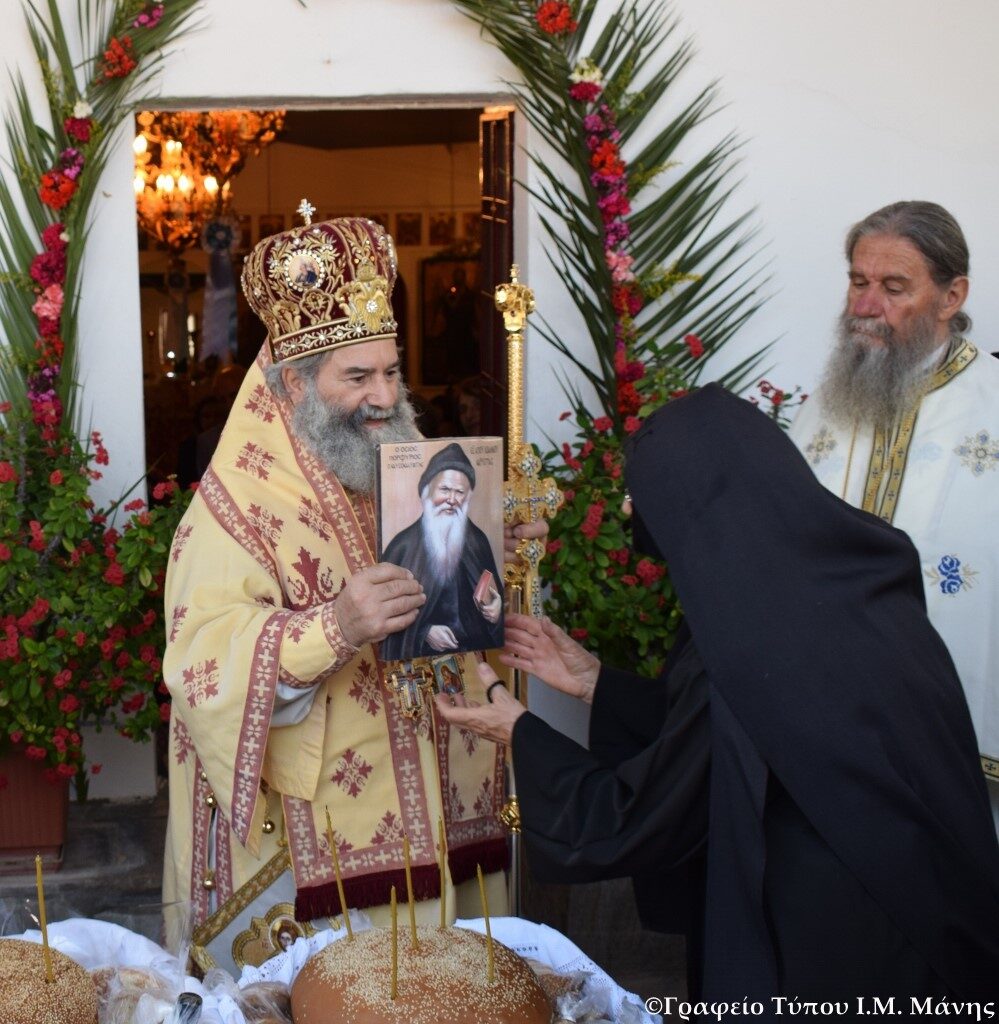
pixel 442 982
pixel 27 998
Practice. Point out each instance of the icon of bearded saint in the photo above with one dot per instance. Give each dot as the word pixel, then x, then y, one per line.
pixel 448 554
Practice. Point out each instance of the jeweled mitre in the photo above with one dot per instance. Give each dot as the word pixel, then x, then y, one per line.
pixel 322 286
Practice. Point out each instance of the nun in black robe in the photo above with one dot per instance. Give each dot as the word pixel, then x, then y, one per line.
pixel 803 779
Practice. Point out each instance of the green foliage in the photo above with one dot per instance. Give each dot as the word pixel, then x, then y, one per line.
pixel 81 604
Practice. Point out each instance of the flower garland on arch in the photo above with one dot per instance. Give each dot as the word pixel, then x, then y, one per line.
pixel 638 238
pixel 81 611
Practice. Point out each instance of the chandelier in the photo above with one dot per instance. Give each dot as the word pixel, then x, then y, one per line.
pixel 185 161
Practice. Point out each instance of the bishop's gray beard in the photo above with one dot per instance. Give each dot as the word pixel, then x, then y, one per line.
pixel 444 537
pixel 340 440
pixel 867 383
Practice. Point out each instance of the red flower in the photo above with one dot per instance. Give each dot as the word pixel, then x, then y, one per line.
pixel 649 572
pixel 7 472
pixel 78 128
pixel 695 345
pixel 52 237
pixel 114 574
pixel 37 542
pixel 35 753
pixel 554 546
pixel 631 424
pixel 555 18
pixel 164 712
pixel 628 580
pixel 134 506
pixel 69 704
pixel 578 634
pixel 118 59
pixel 585 92
pixel 629 401
pixel 65 771
pixel 56 189
pixel 5 553
pixel 572 463
pixel 606 160
pixel 55 477
pixel 95 769
pixel 603 423
pixel 49 267
pixel 161 490
pixel 777 397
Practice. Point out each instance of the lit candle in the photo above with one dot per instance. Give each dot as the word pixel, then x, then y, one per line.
pixel 440 840
pixel 339 877
pixel 409 893
pixel 49 974
pixel 395 948
pixel 489 934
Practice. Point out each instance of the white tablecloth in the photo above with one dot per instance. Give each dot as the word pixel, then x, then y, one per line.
pixel 97 944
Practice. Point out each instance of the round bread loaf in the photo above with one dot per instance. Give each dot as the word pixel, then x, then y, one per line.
pixel 442 982
pixel 26 997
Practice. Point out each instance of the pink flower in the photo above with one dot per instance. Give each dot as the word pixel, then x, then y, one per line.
pixel 619 264
pixel 603 423
pixel 55 477
pixel 49 304
pixel 69 704
pixel 149 19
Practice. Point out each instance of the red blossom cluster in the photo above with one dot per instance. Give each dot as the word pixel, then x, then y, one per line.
pixel 555 18
pixel 594 517
pixel 118 60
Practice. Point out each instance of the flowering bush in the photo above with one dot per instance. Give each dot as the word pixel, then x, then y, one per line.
pixel 596 581
pixel 81 617
pixel 81 607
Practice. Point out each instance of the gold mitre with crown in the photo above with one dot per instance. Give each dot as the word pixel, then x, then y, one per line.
pixel 322 286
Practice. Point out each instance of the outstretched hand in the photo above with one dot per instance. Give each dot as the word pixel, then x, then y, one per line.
pixel 538 646
pixel 493 721
pixel 378 600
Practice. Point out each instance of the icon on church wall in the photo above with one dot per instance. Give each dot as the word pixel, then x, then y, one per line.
pixel 471 225
pixel 270 224
pixel 409 229
pixel 441 228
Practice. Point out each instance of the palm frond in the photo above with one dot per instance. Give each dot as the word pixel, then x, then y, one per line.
pixel 678 222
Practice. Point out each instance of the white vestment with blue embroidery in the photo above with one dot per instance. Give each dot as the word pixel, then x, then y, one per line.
pixel 936 476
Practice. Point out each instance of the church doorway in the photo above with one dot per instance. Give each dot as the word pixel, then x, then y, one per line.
pixel 439 179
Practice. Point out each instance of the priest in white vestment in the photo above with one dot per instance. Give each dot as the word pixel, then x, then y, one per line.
pixel 905 424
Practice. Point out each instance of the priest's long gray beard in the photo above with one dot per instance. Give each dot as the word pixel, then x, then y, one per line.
pixel 443 536
pixel 869 383
pixel 340 440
